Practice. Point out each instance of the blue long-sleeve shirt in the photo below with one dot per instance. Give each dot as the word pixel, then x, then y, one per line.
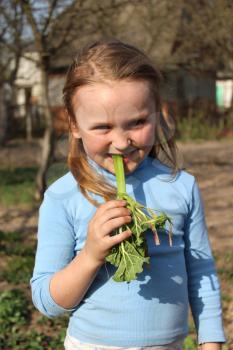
pixel 153 309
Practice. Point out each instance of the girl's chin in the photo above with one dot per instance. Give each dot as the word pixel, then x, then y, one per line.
pixel 130 167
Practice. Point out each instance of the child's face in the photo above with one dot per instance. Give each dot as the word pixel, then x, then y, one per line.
pixel 115 117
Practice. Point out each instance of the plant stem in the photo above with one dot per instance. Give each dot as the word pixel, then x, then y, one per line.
pixel 120 174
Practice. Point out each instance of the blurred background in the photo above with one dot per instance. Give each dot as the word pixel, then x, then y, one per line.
pixel 191 42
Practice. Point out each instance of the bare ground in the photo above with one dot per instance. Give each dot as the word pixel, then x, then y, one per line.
pixel 212 164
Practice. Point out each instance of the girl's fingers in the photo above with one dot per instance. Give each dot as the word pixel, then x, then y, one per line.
pixel 114 213
pixel 115 223
pixel 113 240
pixel 111 204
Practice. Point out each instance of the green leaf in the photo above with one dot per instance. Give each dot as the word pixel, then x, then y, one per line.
pixel 114 257
pixel 131 263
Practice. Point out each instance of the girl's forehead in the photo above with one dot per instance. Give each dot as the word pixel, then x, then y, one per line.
pixel 114 96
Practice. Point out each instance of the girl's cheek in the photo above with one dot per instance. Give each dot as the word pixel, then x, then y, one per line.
pixel 97 142
pixel 93 138
pixel 145 136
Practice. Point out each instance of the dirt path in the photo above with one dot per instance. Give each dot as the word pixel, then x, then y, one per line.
pixel 211 163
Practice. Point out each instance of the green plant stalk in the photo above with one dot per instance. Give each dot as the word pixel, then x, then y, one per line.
pixel 120 174
pixel 130 255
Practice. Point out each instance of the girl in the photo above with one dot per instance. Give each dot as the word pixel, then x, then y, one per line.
pixel 112 100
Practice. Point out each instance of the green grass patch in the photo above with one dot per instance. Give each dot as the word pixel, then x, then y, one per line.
pixel 22 327
pixel 20 254
pixel 16 243
pixel 57 322
pixel 18 270
pixel 34 340
pixel 198 127
pixel 15 331
pixel 201 123
pixel 14 313
pixel 17 185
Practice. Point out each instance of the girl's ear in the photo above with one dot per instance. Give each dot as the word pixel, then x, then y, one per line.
pixel 75 130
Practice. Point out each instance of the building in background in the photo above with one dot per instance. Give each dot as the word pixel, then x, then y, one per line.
pixel 150 25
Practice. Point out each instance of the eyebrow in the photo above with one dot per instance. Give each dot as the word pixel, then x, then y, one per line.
pixel 131 121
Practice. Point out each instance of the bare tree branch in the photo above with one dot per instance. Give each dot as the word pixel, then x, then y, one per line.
pixel 52 8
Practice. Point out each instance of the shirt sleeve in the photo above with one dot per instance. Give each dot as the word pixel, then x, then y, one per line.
pixel 203 284
pixel 55 249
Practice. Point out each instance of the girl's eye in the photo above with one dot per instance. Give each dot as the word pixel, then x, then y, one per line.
pixel 102 127
pixel 138 122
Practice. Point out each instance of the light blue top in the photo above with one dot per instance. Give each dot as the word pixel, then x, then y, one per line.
pixel 152 310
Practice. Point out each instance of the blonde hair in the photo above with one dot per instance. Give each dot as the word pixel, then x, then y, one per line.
pixel 113 60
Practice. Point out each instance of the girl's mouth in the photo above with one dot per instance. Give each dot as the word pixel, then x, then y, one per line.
pixel 126 157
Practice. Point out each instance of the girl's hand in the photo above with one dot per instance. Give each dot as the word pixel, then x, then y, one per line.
pixel 108 217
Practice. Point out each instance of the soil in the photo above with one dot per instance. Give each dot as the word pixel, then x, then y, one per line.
pixel 212 165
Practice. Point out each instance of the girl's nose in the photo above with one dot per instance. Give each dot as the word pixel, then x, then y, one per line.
pixel 120 141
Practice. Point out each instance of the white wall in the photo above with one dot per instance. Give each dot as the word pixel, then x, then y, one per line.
pixel 29 76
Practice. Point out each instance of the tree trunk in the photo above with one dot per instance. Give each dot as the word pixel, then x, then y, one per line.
pixel 47 150
pixel 45 161
pixel 28 114
pixel 28 126
pixel 3 117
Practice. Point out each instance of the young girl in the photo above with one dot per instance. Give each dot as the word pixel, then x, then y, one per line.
pixel 112 100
